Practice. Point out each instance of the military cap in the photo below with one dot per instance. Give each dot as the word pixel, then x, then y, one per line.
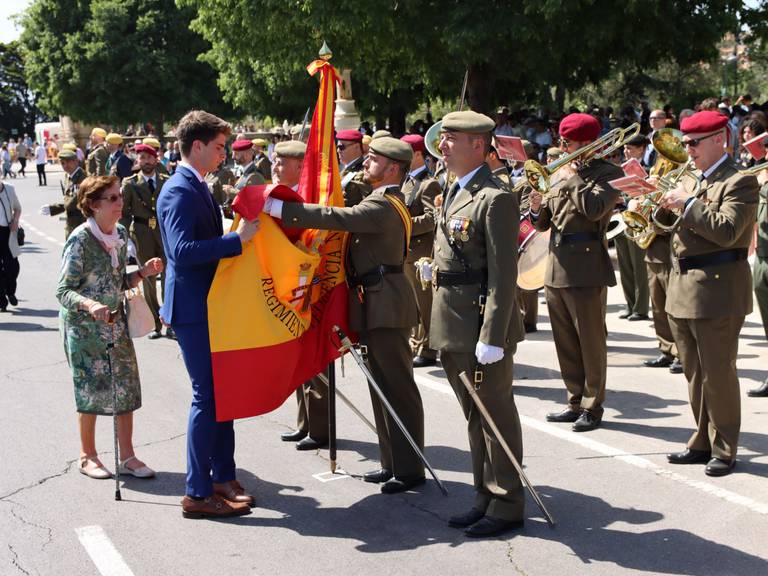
pixel 139 148
pixel 291 149
pixel 704 121
pixel 638 140
pixel 69 146
pixel 381 134
pixel 154 142
pixel 260 142
pixel 467 121
pixel 392 148
pixel 113 138
pixel 580 127
pixel 554 152
pixel 296 130
pixel 366 139
pixel 100 132
pixel 351 135
pixel 415 140
pixel 67 155
pixel 239 145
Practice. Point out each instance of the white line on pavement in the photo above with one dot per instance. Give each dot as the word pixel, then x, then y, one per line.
pixel 616 453
pixel 105 556
pixel 27 226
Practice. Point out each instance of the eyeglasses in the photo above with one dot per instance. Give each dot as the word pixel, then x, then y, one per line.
pixel 658 117
pixel 693 142
pixel 341 146
pixel 112 198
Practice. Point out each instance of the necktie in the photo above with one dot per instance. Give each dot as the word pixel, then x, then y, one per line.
pixel 451 195
pixel 151 184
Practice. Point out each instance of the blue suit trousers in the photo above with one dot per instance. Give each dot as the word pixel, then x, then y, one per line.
pixel 210 444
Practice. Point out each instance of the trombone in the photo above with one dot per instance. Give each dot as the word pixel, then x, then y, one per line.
pixel 756 169
pixel 539 177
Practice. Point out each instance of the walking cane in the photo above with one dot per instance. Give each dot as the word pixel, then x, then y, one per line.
pixel 110 347
pixel 346 346
pixel 484 411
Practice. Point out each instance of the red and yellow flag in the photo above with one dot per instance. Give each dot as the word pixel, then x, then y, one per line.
pixel 271 310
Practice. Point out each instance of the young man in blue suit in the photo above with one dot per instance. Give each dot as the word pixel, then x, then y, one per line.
pixel 194 242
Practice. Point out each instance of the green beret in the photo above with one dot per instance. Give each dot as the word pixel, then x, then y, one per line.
pixel 291 149
pixel 381 134
pixel 392 148
pixel 67 155
pixel 467 121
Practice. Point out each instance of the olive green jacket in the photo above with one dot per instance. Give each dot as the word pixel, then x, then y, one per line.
pixel 420 193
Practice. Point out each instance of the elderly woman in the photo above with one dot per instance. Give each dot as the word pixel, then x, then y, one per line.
pixel 10 213
pixel 92 281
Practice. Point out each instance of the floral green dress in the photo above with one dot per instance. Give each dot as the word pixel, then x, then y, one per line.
pixel 87 272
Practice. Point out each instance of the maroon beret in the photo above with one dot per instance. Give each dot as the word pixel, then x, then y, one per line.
pixel 704 121
pixel 139 148
pixel 239 145
pixel 579 127
pixel 353 135
pixel 415 140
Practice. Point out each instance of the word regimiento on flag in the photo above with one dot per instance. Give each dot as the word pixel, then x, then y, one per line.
pixel 271 310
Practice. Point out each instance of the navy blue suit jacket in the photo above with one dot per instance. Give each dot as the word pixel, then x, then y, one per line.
pixel 122 166
pixel 190 223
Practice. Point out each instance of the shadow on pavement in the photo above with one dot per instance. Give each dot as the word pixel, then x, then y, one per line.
pixel 24 327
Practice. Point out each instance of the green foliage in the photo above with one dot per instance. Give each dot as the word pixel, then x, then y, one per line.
pixel 117 61
pixel 17 104
pixel 402 52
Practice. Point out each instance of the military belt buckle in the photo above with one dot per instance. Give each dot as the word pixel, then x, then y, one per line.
pixel 364 352
pixel 481 300
pixel 153 222
pixel 478 377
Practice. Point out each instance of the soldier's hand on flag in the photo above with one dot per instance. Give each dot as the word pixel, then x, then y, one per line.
pixel 247 229
pixel 273 207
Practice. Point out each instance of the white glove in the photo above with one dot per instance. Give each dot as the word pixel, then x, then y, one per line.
pixel 273 207
pixel 425 270
pixel 45 210
pixel 487 354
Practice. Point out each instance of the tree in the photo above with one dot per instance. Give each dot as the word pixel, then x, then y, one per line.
pixel 17 102
pixel 402 52
pixel 117 61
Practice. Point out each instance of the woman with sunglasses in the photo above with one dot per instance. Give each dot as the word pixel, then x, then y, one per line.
pixel 92 280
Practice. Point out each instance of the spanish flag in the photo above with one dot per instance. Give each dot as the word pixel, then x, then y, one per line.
pixel 271 309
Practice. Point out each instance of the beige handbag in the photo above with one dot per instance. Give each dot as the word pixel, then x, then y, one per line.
pixel 140 319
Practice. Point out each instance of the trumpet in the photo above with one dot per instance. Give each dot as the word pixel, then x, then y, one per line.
pixel 756 169
pixel 672 166
pixel 539 177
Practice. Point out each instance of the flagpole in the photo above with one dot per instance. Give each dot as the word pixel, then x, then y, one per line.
pixel 332 415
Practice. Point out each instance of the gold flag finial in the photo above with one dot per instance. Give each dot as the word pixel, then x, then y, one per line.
pixel 325 52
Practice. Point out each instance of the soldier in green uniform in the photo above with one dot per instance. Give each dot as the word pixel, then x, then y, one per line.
pixel 155 143
pixel 420 191
pixel 249 176
pixel 96 163
pixel 263 165
pixel 350 149
pixel 216 182
pixel 476 323
pixel 579 270
pixel 74 175
pixel 760 269
pixel 710 289
pixel 140 193
pixel 382 305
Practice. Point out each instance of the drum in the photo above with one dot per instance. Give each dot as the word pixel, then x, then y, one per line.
pixel 532 256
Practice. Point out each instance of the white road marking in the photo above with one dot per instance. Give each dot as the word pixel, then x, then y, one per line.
pixel 108 561
pixel 605 449
pixel 27 226
pixel 331 476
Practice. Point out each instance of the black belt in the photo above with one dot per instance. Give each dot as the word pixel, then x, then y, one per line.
pixel 461 278
pixel 712 259
pixel 144 221
pixel 374 276
pixel 575 237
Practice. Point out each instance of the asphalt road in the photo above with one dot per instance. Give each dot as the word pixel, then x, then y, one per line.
pixel 620 508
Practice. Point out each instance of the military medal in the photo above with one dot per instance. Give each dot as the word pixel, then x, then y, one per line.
pixel 459 228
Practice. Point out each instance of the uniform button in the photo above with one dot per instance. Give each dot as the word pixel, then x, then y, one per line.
pixel 295 219
pixel 717 276
pixel 587 249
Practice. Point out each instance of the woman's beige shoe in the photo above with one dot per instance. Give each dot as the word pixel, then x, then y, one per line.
pixel 140 472
pixel 91 467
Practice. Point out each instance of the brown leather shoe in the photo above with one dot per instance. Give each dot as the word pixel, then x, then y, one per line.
pixel 232 491
pixel 212 507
